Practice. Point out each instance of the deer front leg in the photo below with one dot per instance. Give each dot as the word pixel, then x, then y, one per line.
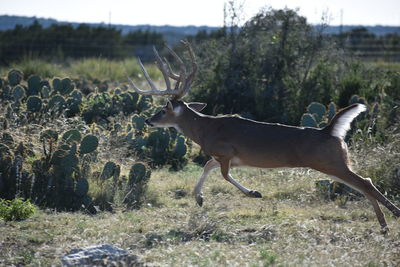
pixel 211 164
pixel 225 166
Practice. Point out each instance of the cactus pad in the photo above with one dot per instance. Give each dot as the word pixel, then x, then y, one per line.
pixel 88 144
pixel 137 174
pixel 18 93
pixel 15 77
pixel 331 111
pixel 180 147
pixel 34 83
pixel 57 102
pixel 108 170
pixel 307 120
pixel 72 136
pixel 45 92
pixel 317 110
pixel 139 122
pixel 34 104
pixel 66 86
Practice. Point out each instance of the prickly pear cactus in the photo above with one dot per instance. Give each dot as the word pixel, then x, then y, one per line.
pixel 88 144
pixel 159 139
pixel 57 84
pixel 180 147
pixel 57 103
pixel 145 102
pixel 77 95
pixel 34 83
pixel 18 93
pixel 139 143
pixel 34 104
pixel 137 184
pixel 117 91
pixel 45 92
pixel 81 187
pixel 139 122
pixel 66 86
pixel 307 120
pixel 317 110
pixel 354 99
pixel 72 136
pixel 57 157
pixel 138 174
pixel 73 107
pixel 331 111
pixel 15 77
pixel 108 170
pixel 69 164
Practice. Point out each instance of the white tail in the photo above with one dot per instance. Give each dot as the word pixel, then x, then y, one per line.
pixel 232 141
pixel 341 122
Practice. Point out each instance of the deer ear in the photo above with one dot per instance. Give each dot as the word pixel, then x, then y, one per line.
pixel 197 106
pixel 169 105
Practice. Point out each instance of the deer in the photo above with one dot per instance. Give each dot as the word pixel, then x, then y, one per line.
pixel 233 141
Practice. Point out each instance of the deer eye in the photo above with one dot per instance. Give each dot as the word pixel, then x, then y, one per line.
pixel 163 112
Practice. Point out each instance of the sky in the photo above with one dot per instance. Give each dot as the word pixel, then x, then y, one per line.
pixel 201 12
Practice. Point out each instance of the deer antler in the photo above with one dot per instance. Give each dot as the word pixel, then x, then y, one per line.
pixel 183 81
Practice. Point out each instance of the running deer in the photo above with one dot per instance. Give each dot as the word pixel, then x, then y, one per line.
pixel 232 141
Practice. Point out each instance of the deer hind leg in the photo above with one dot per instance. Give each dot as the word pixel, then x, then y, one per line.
pixel 225 166
pixel 365 186
pixel 379 214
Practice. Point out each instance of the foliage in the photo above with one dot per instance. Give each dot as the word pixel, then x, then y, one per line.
pixel 65 41
pixel 265 68
pixel 16 209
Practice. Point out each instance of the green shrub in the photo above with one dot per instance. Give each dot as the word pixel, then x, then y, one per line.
pixel 16 209
pixel 275 65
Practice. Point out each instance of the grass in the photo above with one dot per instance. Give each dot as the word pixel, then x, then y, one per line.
pixel 230 229
pixel 292 225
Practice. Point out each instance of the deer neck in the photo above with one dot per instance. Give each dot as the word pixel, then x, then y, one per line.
pixel 192 125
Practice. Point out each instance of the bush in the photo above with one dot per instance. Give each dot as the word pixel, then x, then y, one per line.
pixel 273 67
pixel 16 209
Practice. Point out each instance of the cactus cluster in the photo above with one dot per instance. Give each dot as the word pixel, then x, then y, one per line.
pixel 55 180
pixel 14 179
pixel 318 116
pixel 56 99
pixel 161 146
pixel 60 176
pixel 100 106
pixel 61 170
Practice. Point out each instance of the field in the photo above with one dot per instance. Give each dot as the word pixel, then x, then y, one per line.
pixel 290 226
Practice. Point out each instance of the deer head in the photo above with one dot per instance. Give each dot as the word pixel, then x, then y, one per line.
pixel 169 115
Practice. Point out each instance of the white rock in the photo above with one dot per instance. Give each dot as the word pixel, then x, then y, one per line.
pixel 100 255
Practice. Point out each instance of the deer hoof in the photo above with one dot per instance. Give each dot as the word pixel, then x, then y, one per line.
pixel 199 200
pixel 255 194
pixel 384 230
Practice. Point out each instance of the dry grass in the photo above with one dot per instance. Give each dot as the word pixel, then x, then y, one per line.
pixel 290 226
